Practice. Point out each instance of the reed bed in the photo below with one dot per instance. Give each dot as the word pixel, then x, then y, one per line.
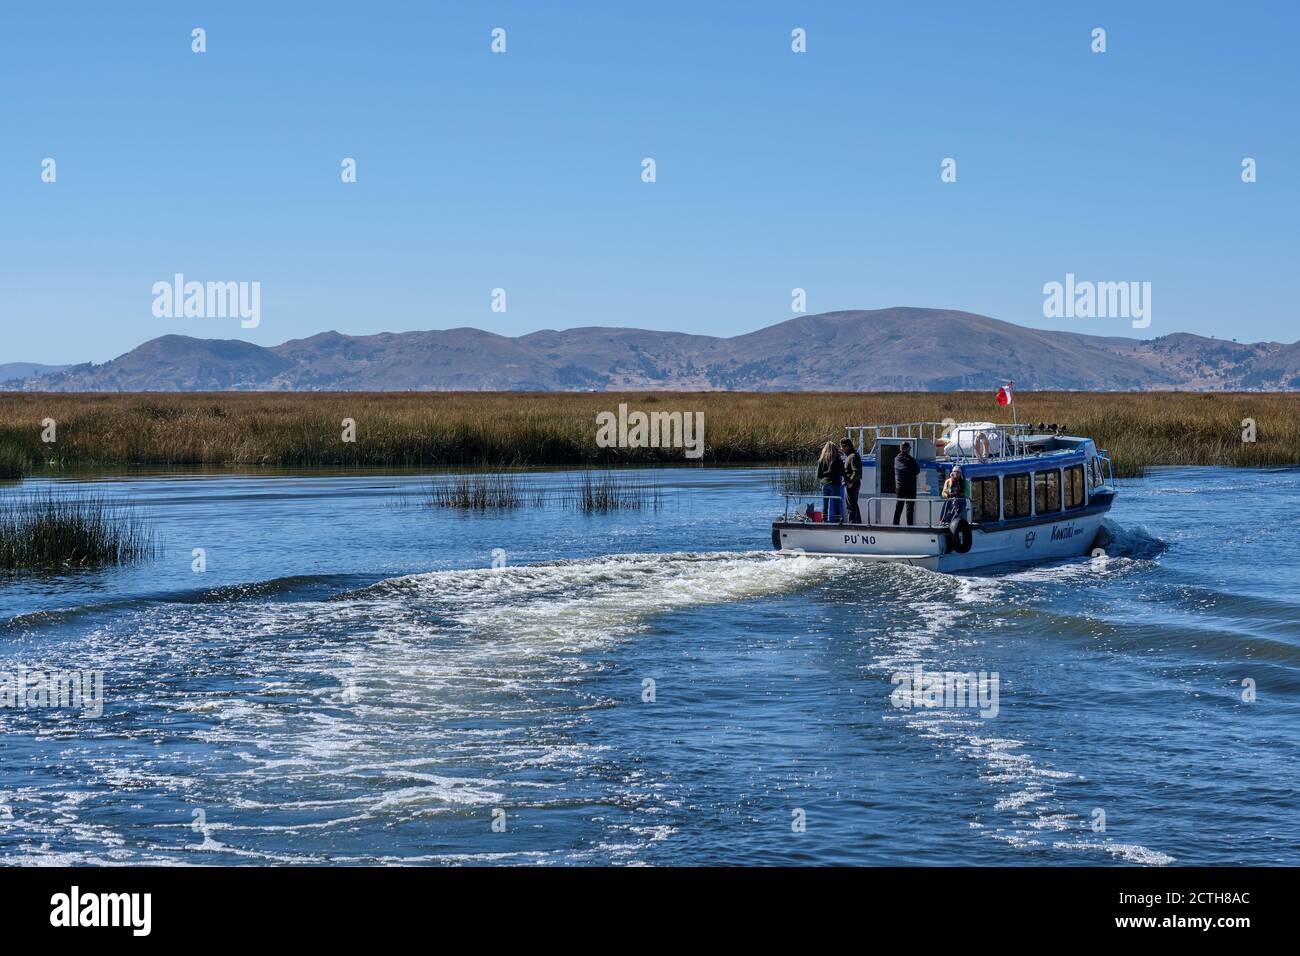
pixel 467 428
pixel 52 530
pixel 796 478
pixel 499 491
pixel 13 463
pixel 592 494
pixel 502 491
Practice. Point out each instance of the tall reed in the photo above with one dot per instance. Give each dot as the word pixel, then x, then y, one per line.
pixel 794 478
pixel 485 492
pixel 13 463
pixel 592 494
pixel 52 530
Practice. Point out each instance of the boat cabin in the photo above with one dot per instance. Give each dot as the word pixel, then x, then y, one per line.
pixel 1015 473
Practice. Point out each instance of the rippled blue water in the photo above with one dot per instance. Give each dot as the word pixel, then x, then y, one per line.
pixel 351 681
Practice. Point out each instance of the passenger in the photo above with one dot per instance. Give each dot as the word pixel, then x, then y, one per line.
pixel 852 479
pixel 830 472
pixel 905 471
pixel 956 489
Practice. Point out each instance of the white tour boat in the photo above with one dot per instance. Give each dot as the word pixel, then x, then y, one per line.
pixel 1036 495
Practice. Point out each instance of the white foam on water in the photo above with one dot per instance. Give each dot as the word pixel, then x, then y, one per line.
pixel 410 661
pixel 581 604
pixel 1027 792
pixel 1128 852
pixel 369 703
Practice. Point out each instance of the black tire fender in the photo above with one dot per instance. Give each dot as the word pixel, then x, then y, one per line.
pixel 960 535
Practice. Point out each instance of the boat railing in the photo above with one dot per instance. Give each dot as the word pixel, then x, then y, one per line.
pixel 1102 456
pixel 1005 440
pixel 912 430
pixel 878 512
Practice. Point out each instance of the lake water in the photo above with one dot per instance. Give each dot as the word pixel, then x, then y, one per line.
pixel 351 681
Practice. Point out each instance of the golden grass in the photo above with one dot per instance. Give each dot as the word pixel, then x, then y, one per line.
pixel 466 428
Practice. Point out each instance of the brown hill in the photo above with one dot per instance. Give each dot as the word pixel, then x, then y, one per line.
pixel 898 349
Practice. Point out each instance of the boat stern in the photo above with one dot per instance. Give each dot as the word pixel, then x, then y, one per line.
pixel 921 546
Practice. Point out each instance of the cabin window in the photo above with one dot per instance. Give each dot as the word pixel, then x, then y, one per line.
pixel 1074 497
pixel 1098 476
pixel 1047 491
pixel 1016 493
pixel 983 499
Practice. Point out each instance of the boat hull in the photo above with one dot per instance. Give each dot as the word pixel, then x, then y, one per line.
pixel 1068 536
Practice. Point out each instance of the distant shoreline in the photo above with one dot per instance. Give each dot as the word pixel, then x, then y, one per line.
pixel 494 429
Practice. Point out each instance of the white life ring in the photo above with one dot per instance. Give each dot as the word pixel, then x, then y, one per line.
pixel 981 446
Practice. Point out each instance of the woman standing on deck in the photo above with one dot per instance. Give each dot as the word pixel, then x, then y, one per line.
pixel 830 472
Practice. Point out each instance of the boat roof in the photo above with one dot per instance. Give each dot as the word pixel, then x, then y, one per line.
pixel 973 467
pixel 1016 445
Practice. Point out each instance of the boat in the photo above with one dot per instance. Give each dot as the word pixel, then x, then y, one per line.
pixel 1036 495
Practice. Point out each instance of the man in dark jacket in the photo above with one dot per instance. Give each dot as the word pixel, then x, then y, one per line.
pixel 852 478
pixel 905 471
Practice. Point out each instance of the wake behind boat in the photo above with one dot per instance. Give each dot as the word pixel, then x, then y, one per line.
pixel 1029 495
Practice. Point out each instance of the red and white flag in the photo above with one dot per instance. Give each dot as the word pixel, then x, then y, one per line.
pixel 1004 395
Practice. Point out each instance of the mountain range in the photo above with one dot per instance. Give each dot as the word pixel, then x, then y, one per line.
pixel 18 371
pixel 894 349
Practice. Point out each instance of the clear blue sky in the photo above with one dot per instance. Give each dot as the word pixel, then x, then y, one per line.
pixel 523 170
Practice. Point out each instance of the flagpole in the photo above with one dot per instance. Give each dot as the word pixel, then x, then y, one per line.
pixel 1015 417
